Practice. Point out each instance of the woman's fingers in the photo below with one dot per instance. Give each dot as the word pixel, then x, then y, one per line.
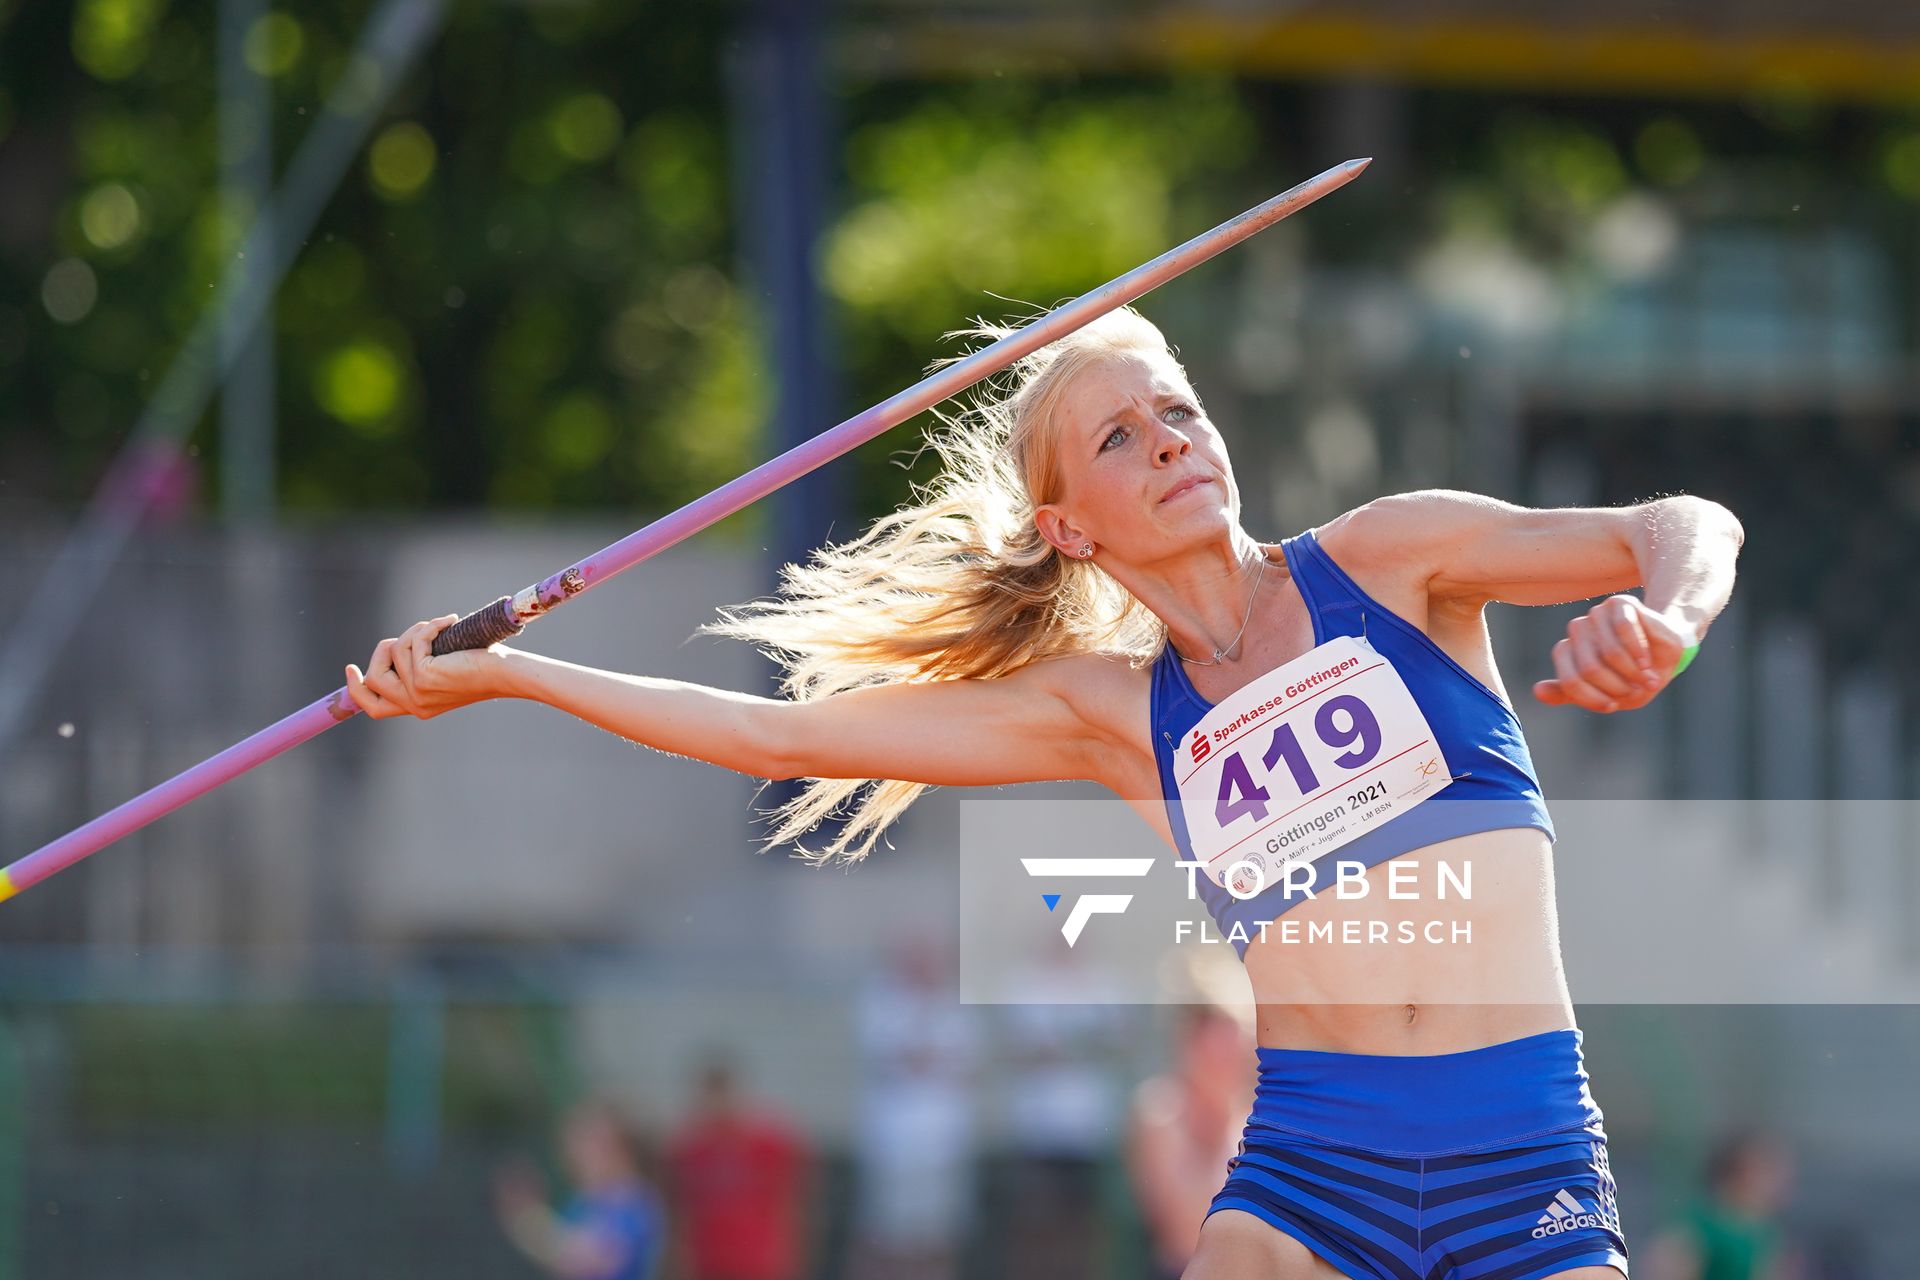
pixel 366 699
pixel 1621 643
pixel 401 671
pixel 383 677
pixel 1626 643
pixel 1591 660
pixel 400 678
pixel 419 641
pixel 1573 682
pixel 413 652
pixel 402 657
pixel 382 660
pixel 1610 660
pixel 1630 634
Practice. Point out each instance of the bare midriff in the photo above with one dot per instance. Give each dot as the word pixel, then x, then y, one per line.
pixel 1477 971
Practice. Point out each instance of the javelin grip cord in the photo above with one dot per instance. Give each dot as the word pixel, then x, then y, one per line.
pixel 482 627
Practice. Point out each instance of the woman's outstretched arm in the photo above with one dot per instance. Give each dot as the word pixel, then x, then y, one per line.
pixel 1022 727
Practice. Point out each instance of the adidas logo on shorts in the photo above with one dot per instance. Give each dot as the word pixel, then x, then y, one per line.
pixel 1565 1214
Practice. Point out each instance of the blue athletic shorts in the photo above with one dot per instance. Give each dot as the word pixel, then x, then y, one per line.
pixel 1485 1165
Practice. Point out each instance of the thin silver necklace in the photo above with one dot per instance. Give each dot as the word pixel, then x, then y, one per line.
pixel 1218 654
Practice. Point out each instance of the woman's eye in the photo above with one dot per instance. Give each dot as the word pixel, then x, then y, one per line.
pixel 1117 431
pixel 1180 408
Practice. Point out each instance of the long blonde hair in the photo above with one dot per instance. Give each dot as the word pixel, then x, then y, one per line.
pixel 956 585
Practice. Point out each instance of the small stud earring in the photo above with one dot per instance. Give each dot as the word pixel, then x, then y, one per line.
pixel 1086 549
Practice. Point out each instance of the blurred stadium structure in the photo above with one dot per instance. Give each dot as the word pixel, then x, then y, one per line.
pixel 1601 255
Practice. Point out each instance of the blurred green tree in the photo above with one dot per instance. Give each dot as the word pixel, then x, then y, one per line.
pixel 525 296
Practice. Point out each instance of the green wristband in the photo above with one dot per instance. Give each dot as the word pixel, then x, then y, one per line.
pixel 1686 657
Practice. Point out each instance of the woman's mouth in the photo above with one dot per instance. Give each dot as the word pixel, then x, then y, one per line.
pixel 1185 486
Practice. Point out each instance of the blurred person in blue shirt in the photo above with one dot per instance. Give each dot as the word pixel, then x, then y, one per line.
pixel 614 1225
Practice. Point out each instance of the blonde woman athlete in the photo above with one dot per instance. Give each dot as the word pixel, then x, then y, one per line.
pixel 1075 595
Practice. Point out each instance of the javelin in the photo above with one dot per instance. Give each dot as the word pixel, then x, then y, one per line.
pixel 509 615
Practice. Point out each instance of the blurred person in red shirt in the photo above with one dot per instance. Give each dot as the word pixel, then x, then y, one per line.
pixel 739 1180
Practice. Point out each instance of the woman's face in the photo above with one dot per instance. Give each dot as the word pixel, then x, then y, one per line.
pixel 1143 473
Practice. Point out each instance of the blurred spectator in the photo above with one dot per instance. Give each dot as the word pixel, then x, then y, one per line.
pixel 612 1228
pixel 1185 1124
pixel 914 1134
pixel 1062 1109
pixel 1732 1232
pixel 739 1182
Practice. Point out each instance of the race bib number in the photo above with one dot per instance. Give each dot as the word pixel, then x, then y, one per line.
pixel 1306 758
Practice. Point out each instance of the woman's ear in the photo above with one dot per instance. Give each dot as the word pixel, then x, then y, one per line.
pixel 1057 529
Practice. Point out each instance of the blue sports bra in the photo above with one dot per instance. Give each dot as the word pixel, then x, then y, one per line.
pixel 1493 783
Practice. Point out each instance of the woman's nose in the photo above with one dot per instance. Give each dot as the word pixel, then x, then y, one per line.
pixel 1173 442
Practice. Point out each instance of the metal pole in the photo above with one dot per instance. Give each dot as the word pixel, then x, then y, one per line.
pixel 393 37
pixel 781 139
pixel 780 110
pixel 246 348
